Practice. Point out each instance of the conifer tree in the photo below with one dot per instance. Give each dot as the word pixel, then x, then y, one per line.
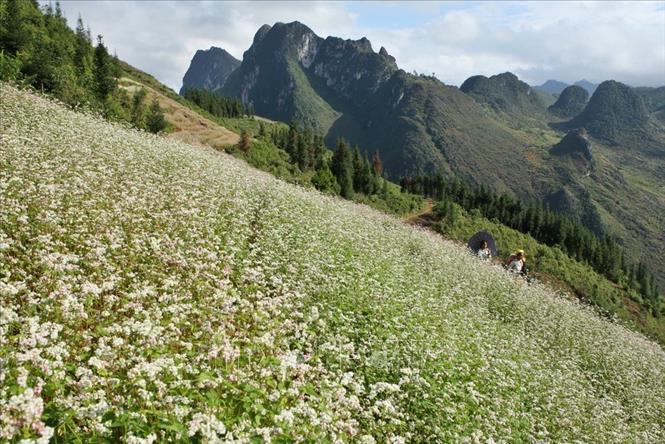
pixel 105 83
pixel 155 120
pixel 83 53
pixel 138 111
pixel 342 168
pixel 13 35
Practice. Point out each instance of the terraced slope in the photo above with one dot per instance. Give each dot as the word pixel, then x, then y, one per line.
pixel 152 290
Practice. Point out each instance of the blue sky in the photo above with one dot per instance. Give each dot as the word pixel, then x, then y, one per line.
pixel 537 41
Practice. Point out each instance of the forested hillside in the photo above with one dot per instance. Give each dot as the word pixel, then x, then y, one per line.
pixel 38 49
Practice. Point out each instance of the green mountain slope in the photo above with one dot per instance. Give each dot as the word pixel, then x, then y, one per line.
pixel 552 266
pixel 614 113
pixel 178 294
pixel 504 93
pixel 571 102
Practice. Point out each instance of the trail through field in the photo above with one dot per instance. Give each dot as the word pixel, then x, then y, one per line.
pixel 416 218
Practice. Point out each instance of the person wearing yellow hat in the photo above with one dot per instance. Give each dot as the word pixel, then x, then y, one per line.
pixel 516 263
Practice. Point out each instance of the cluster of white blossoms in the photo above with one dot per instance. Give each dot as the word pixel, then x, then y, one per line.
pixel 153 291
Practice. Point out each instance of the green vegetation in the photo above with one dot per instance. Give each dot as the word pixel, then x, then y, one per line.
pixel 571 102
pixel 215 104
pixel 299 156
pixel 614 113
pixel 495 131
pixel 601 253
pixel 37 47
pixel 153 291
pixel 39 50
pixel 504 93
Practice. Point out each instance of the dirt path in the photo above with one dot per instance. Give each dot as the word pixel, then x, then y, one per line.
pixel 417 217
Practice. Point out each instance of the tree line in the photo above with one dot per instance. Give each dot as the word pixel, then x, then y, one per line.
pixel 216 104
pixel 39 50
pixel 346 173
pixel 550 228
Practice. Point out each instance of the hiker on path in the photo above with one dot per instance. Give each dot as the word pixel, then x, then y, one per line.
pixel 516 263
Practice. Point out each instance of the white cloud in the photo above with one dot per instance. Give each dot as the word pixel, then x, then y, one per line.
pixel 536 40
pixel 161 37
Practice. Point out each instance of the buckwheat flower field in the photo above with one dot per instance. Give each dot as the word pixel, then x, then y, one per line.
pixel 153 291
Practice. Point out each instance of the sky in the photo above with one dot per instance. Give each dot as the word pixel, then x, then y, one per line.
pixel 537 41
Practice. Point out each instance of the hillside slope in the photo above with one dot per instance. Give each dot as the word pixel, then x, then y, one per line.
pixel 154 290
pixel 187 124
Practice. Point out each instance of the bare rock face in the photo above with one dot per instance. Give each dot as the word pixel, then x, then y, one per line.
pixel 291 57
pixel 209 70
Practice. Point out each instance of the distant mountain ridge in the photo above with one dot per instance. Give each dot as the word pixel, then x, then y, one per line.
pixel 551 87
pixel 209 69
pixel 556 87
pixel 343 88
pixel 503 92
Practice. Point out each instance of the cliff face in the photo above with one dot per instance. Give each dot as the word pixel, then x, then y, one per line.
pixel 343 88
pixel 209 69
pixel 291 73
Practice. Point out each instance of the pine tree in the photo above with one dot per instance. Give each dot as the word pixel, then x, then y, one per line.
pixel 155 120
pixel 138 111
pixel 342 168
pixel 302 153
pixel 105 83
pixel 14 35
pixel 357 161
pixel 292 143
pixel 83 53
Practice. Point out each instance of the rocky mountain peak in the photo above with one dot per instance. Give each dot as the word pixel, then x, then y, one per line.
pixel 291 57
pixel 571 102
pixel 576 146
pixel 209 69
pixel 261 33
pixel 575 142
pixel 503 92
pixel 613 110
